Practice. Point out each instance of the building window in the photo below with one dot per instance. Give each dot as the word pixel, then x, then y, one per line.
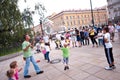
pixel 70 17
pixel 66 17
pixel 78 21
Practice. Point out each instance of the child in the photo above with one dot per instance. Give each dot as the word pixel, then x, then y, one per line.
pixel 65 56
pixel 38 47
pixel 100 38
pixel 108 49
pixel 10 74
pixel 14 66
pixel 42 47
pixel 47 48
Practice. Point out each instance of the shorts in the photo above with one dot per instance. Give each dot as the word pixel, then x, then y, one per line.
pixel 65 60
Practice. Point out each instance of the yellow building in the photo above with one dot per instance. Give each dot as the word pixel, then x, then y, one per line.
pixel 78 18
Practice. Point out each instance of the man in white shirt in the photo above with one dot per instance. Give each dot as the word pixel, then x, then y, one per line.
pixel 108 49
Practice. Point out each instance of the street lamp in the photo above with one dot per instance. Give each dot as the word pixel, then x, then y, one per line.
pixel 41 27
pixel 92 13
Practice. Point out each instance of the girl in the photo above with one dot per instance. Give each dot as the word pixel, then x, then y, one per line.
pixel 47 48
pixel 14 66
pixel 10 74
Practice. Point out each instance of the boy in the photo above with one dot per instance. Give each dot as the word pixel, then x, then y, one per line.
pixel 65 51
pixel 108 49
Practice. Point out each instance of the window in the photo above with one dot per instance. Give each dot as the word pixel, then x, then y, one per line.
pixel 78 17
pixel 66 17
pixel 70 17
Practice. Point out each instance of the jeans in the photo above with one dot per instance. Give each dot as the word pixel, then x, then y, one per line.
pixel 27 64
pixel 100 41
pixel 65 60
pixel 47 56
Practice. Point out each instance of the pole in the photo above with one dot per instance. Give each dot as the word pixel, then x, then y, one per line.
pixel 92 13
pixel 41 27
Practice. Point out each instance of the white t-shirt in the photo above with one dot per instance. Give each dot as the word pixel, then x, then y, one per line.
pixel 38 45
pixel 101 35
pixel 46 39
pixel 107 36
pixel 58 36
pixel 47 48
pixel 111 29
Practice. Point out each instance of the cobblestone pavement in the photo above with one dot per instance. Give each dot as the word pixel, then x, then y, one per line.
pixel 86 63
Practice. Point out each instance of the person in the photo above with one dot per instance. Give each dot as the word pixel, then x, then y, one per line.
pixel 78 36
pixel 108 49
pixel 100 38
pixel 14 66
pixel 10 74
pixel 65 51
pixel 92 35
pixel 111 30
pixel 47 48
pixel 28 56
pixel 38 47
pixel 73 38
pixel 82 36
pixel 118 29
pixel 86 34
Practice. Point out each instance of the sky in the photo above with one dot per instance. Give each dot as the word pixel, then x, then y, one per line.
pixel 60 5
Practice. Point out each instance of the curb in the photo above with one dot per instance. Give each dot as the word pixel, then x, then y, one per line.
pixel 3 58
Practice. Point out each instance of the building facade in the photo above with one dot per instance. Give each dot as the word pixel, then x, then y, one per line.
pixel 114 10
pixel 78 18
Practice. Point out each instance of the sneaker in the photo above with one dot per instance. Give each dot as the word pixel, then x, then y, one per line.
pixel 65 68
pixel 28 76
pixel 113 67
pixel 108 68
pixel 40 72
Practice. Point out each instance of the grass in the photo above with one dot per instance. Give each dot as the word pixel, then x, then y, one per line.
pixel 7 51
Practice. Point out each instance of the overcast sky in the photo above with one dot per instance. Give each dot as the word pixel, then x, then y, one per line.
pixel 60 5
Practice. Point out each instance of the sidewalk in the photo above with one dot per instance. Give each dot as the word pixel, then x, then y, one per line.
pixel 86 63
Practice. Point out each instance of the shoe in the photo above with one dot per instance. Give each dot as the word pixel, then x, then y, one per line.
pixel 108 68
pixel 65 68
pixel 40 72
pixel 113 67
pixel 28 76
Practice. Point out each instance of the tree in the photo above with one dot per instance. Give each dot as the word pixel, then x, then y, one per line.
pixel 27 17
pixel 11 25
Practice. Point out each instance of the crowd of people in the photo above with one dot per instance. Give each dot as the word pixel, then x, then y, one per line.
pixel 64 41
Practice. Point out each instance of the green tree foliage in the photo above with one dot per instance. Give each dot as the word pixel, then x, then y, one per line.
pixel 11 24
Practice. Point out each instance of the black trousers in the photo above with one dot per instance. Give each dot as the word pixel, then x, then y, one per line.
pixel 109 55
pixel 93 40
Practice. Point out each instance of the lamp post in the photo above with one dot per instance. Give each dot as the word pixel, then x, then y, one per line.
pixel 92 13
pixel 41 27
